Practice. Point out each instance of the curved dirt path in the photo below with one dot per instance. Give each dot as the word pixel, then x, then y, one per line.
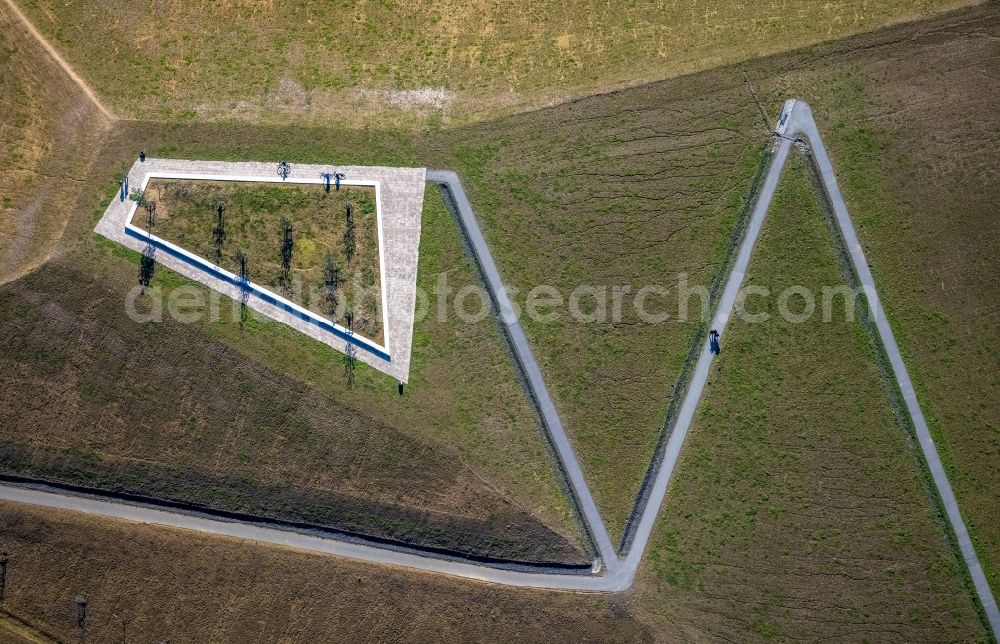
pixel 57 57
pixel 616 574
pixel 73 125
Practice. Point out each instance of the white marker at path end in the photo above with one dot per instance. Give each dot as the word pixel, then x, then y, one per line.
pixel 786 113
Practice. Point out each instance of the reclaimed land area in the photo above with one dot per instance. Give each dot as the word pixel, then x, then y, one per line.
pixel 902 176
pixel 419 63
pixel 912 131
pixel 798 510
pixel 186 412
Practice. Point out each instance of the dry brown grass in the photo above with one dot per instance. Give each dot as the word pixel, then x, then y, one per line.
pixel 417 62
pixel 49 133
pixel 18 631
pixel 172 584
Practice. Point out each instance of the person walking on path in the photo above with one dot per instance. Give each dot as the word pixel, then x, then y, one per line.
pixel 713 342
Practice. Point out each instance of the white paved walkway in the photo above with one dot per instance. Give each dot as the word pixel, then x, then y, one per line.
pixel 400 198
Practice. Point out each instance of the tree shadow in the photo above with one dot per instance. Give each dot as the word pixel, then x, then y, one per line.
pixel 351 352
pixel 244 285
pixel 147 266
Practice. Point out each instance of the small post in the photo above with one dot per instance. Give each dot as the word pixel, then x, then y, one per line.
pixel 400 388
pixel 81 615
pixel 142 157
pixel 3 574
pixel 122 618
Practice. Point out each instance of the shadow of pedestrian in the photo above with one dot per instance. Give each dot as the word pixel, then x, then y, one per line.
pixel 147 266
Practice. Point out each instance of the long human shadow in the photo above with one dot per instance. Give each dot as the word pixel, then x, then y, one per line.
pixel 147 266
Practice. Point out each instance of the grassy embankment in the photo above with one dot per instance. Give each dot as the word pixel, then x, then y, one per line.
pixel 263 421
pixel 619 193
pixel 258 421
pixel 234 591
pixel 48 134
pixel 867 76
pixel 418 63
pixel 913 145
pixel 797 510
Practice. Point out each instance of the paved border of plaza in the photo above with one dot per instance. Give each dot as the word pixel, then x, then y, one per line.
pixel 399 203
pixel 616 574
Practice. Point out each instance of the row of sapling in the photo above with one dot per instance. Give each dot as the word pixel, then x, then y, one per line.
pixel 147 263
pixel 331 271
pixel 350 244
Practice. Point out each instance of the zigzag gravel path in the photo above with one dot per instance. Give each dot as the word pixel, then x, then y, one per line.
pixel 610 572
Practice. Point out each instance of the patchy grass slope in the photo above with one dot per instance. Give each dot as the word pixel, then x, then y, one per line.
pixel 417 62
pixel 797 510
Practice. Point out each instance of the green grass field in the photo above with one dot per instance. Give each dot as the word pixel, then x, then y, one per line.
pixel 913 148
pixel 797 510
pixel 625 191
pixel 663 169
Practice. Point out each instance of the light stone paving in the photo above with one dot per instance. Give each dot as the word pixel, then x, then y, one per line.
pixel 399 202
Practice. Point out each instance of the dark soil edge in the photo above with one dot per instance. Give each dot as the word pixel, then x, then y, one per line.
pixel 197 510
